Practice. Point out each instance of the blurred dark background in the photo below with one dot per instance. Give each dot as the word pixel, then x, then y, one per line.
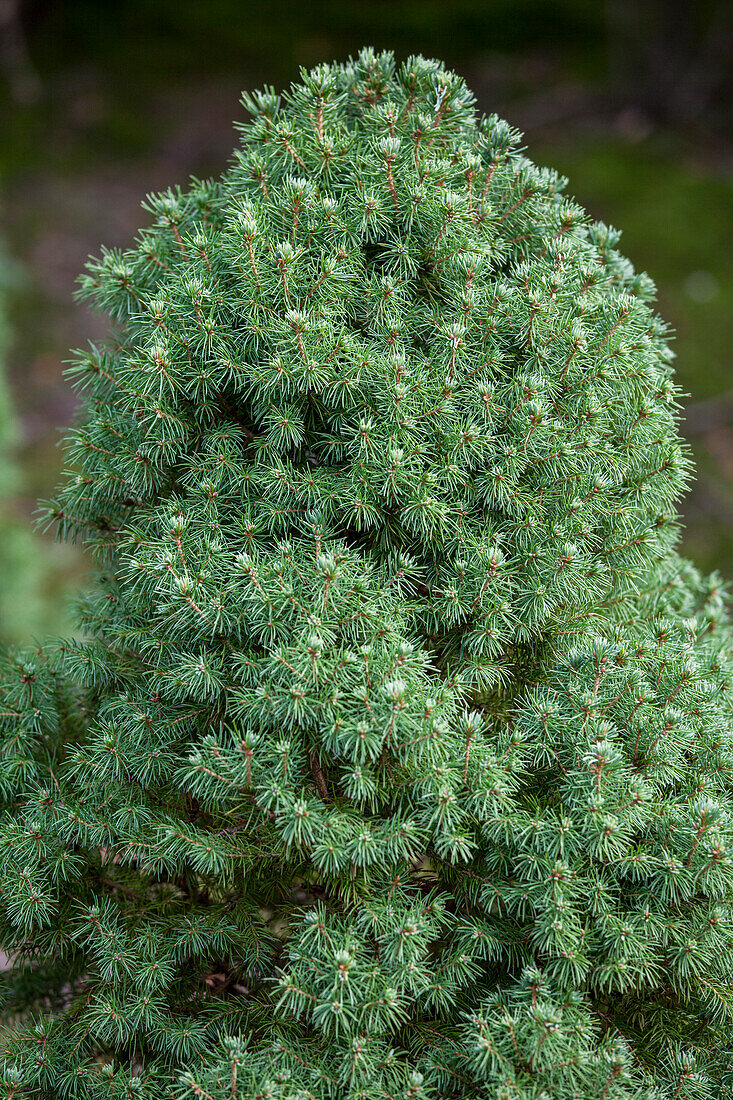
pixel 102 101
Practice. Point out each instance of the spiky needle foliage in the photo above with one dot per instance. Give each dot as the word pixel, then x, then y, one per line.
pixel 396 760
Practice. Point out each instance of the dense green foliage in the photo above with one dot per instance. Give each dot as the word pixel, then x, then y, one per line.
pixel 395 761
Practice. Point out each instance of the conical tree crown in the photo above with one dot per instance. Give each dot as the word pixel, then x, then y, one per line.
pixel 396 760
pixel 405 337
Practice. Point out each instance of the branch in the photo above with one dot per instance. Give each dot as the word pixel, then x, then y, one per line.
pixel 318 776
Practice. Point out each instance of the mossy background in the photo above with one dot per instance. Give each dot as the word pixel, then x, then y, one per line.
pixel 103 102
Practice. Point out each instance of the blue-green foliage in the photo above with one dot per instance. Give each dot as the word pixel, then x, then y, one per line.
pixel 395 761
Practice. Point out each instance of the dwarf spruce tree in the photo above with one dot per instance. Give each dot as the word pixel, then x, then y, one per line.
pixel 395 759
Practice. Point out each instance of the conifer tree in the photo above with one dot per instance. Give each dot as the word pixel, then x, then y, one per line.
pixel 395 759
